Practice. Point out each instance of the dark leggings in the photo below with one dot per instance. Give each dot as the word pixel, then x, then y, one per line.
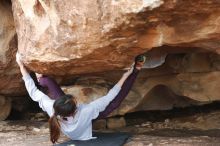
pixel 115 103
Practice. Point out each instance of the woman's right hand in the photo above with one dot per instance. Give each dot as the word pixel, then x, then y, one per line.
pixel 125 76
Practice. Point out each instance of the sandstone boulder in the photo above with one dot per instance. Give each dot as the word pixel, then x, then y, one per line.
pixel 88 89
pixel 75 37
pixel 183 80
pixel 11 84
pixel 114 123
pixel 5 107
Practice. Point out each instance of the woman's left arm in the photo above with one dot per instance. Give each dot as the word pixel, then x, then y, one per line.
pixel 100 104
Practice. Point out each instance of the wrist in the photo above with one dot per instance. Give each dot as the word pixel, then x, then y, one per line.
pixel 125 76
pixel 21 65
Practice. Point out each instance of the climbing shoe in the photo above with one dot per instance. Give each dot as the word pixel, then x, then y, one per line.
pixel 139 61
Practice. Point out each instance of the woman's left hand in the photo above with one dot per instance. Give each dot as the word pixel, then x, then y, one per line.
pixel 18 59
pixel 130 70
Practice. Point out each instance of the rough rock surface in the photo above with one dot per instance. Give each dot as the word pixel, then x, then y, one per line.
pixel 75 37
pixel 156 93
pixel 5 107
pixel 11 84
pixel 9 73
pixel 87 89
pixel 183 80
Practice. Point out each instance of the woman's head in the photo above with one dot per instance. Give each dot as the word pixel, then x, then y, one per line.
pixel 64 106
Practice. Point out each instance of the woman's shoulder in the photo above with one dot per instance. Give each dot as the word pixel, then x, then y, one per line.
pixel 81 106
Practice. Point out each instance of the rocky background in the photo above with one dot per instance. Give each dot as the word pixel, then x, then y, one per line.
pixel 86 45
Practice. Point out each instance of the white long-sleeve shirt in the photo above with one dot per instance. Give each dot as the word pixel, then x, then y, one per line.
pixel 78 127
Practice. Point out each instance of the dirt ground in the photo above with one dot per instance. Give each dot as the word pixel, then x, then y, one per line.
pixel 197 130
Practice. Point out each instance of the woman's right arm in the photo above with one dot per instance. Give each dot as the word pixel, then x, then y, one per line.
pixel 44 101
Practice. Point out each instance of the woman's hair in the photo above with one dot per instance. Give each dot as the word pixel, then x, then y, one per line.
pixel 63 107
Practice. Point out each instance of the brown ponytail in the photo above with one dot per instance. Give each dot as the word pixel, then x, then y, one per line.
pixel 64 106
pixel 54 127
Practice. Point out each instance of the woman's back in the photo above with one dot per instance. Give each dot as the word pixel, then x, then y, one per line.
pixel 78 127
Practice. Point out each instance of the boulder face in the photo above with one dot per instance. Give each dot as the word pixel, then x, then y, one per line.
pixel 11 84
pixel 76 37
pixel 5 107
pixel 9 73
